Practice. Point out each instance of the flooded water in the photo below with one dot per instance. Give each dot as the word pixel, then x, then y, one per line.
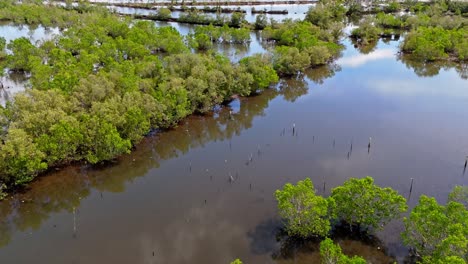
pixel 172 201
pixel 16 82
pixel 294 11
pixel 234 51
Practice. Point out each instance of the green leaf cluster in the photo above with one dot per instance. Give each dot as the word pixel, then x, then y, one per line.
pixel 301 45
pixel 357 202
pixel 330 253
pixel 438 233
pixel 436 43
pixel 361 202
pixel 306 214
pixel 203 37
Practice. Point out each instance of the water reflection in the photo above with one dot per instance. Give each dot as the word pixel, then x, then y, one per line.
pixel 12 83
pixel 319 74
pixel 376 52
pixel 172 200
pixel 293 88
pixel 429 69
pixel 17 82
pixel 361 59
pixel 10 31
pixel 294 11
pixel 63 190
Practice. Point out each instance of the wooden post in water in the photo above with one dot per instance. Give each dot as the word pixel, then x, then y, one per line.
pixel 333 143
pixel 74 222
pixel 324 184
pixel 411 189
pixel 369 145
pixel 294 128
pixel 466 163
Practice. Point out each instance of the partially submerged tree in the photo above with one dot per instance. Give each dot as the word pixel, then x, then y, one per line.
pixel 163 13
pixel 459 194
pixel 330 253
pixel 305 213
pixel 360 202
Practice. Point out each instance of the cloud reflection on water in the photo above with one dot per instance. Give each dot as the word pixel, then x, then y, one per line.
pixel 361 59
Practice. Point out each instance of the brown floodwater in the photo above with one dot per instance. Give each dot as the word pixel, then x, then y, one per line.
pixel 172 199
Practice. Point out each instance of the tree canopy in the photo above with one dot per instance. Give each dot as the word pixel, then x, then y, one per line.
pixel 361 202
pixel 305 213
pixel 439 233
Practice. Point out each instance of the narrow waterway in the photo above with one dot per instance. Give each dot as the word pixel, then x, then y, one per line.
pixel 203 191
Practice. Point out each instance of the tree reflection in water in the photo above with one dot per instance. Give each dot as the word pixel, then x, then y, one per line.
pixel 269 237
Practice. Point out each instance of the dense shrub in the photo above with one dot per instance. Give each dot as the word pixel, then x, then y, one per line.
pixel 435 43
pixel 101 86
pixel 366 32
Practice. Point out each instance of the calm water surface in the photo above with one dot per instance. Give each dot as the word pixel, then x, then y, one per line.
pixel 171 200
pixel 294 11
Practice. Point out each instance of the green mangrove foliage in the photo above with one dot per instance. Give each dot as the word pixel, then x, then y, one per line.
pixel 2 48
pixel 459 194
pixel 330 253
pixel 361 202
pixel 358 202
pixel 49 15
pixel 203 37
pixel 436 43
pixel 366 33
pixel 104 84
pixel 301 45
pixel 194 16
pixel 325 13
pixel 438 233
pixel 261 22
pixel 436 32
pixel 163 14
pixel 305 213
